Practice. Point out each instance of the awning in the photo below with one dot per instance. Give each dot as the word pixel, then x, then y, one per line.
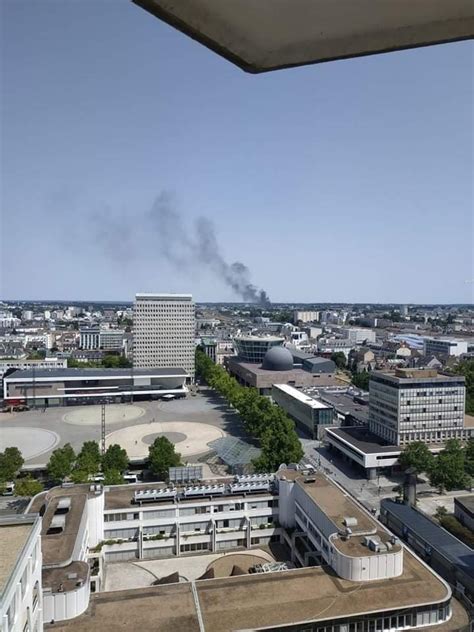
pixel 262 35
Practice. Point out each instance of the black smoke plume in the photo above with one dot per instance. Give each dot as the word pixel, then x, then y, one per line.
pixel 185 246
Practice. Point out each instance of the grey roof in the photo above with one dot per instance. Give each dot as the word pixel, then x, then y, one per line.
pixel 94 373
pixel 466 503
pixel 345 404
pixel 300 355
pixel 451 548
pixel 363 440
pixel 278 359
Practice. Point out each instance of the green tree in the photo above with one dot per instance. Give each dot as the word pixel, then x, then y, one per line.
pixel 27 486
pixel 11 462
pixel 262 420
pixel 448 471
pixel 89 458
pixel 440 512
pixel 79 476
pixel 361 380
pixel 163 456
pixel 339 359
pixel 115 458
pixel 61 463
pixel 469 458
pixel 416 455
pixel 466 368
pixel 113 477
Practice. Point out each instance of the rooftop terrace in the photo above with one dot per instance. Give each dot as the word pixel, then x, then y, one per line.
pixel 251 602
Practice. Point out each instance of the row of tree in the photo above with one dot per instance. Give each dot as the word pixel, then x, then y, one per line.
pixel 64 463
pixel 453 468
pixel 262 419
pixel 109 361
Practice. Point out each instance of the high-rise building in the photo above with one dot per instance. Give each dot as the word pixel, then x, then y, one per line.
pixel 164 326
pixel 305 316
pixel 417 405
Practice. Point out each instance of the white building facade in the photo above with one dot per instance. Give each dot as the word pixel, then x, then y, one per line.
pixel 417 405
pixel 21 602
pixel 164 326
pixel 445 347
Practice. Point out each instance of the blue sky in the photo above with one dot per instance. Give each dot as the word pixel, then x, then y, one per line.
pixel 346 181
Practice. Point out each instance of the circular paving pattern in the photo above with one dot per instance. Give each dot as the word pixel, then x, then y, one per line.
pixel 30 441
pixel 114 414
pixel 136 439
pixel 174 437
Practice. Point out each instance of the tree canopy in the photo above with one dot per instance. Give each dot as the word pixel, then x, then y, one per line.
pixel 416 455
pixel 89 458
pixel 339 359
pixel 466 368
pixel 61 463
pixel 115 458
pixel 11 462
pixel 448 471
pixel 162 456
pixel 361 380
pixel 27 486
pixel 263 420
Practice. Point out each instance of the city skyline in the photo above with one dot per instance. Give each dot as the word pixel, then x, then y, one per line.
pixel 349 181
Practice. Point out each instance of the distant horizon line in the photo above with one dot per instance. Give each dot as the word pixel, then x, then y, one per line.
pixel 293 303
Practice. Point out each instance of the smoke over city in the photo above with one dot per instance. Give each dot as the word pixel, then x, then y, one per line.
pixel 184 244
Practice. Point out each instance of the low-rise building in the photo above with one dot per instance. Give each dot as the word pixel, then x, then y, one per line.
pixel 311 415
pixel 21 599
pixel 25 364
pixel 447 555
pixel 63 387
pixel 277 368
pixel 464 510
pixel 358 335
pixel 445 347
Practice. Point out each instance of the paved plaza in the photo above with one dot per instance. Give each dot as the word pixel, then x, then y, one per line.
pixel 191 438
pixel 190 423
pixel 142 573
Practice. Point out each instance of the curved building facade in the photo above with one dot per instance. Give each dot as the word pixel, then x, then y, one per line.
pixel 253 348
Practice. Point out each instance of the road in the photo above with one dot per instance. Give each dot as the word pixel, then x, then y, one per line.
pixel 369 493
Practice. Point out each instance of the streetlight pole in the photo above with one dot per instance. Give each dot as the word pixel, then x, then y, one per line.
pixel 102 428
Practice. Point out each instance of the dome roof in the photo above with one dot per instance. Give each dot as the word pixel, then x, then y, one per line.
pixel 278 359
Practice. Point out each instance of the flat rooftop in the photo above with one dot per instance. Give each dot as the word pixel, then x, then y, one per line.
pixel 163 297
pixel 94 373
pixel 301 396
pixel 345 404
pixel 121 497
pixel 363 440
pixel 438 538
pixel 57 549
pixel 250 602
pixel 14 534
pixel 319 379
pixel 337 505
pixel 415 376
pixel 466 502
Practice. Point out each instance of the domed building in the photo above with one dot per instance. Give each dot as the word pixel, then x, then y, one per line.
pixel 278 359
pixel 263 361
pixel 253 348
